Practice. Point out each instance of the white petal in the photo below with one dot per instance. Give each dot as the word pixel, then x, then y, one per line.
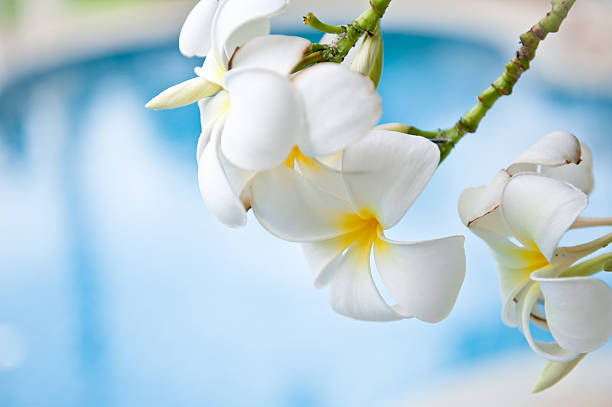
pixel 539 210
pixel 340 105
pixel 238 21
pixel 386 171
pixel 293 208
pixel 184 93
pixel 213 69
pixel 194 39
pixel 322 257
pixel 555 149
pixel 278 53
pixel 477 203
pixel 211 109
pixel 264 119
pixel 578 311
pixel 580 176
pixel 423 277
pixel 551 351
pixel 221 198
pixel 354 293
pixel 323 176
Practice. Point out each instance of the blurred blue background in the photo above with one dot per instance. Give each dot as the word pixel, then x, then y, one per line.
pixel 118 287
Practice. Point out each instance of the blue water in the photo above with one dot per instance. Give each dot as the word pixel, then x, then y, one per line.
pixel 119 288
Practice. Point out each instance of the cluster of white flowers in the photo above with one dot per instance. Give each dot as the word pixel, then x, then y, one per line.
pixel 301 151
pixel 522 215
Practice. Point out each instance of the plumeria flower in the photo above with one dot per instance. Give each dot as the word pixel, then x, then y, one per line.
pixel 259 112
pixel 340 217
pixel 522 215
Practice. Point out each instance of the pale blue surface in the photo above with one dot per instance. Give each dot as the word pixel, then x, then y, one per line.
pixel 125 291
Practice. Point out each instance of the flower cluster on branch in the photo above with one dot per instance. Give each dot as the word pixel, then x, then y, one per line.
pixel 288 130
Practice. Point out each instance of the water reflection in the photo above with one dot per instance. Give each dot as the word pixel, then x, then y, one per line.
pixel 127 291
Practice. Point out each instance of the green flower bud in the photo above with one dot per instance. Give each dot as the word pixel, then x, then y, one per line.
pixel 369 59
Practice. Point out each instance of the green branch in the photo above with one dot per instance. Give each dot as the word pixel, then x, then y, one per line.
pixel 347 36
pixel 503 85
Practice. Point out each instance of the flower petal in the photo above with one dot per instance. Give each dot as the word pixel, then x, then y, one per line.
pixel 478 207
pixel 354 293
pixel 340 105
pixel 211 109
pixel 238 21
pixel 264 119
pixel 539 210
pixel 551 351
pixel 386 171
pixel 423 277
pixel 221 198
pixel 194 39
pixel 278 53
pixel 184 93
pixel 322 257
pixel 578 311
pixel 579 175
pixel 293 208
pixel 555 149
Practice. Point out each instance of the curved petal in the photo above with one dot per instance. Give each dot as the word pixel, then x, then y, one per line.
pixel 293 208
pixel 211 109
pixel 578 311
pixel 264 119
pixel 194 39
pixel 539 210
pixel 323 176
pixel 555 149
pixel 322 257
pixel 478 203
pixel 579 175
pixel 237 21
pixel 551 351
pixel 340 106
pixel 213 70
pixel 423 277
pixel 386 171
pixel 183 94
pixel 353 291
pixel 216 187
pixel 278 53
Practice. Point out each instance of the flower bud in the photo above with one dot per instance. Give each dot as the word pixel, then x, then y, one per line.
pixel 369 59
pixel 183 94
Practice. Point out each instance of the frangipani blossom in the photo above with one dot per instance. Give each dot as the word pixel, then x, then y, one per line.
pixel 258 112
pixel 340 218
pixel 534 202
pixel 262 114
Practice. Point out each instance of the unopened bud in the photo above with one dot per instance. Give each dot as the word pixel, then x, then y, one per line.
pixel 183 94
pixel 369 59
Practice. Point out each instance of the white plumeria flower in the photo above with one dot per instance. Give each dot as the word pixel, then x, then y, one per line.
pixel 340 217
pixel 322 109
pixel 534 202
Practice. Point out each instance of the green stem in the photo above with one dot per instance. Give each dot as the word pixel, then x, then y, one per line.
pixel 312 21
pixel 347 36
pixel 503 85
pixel 589 267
